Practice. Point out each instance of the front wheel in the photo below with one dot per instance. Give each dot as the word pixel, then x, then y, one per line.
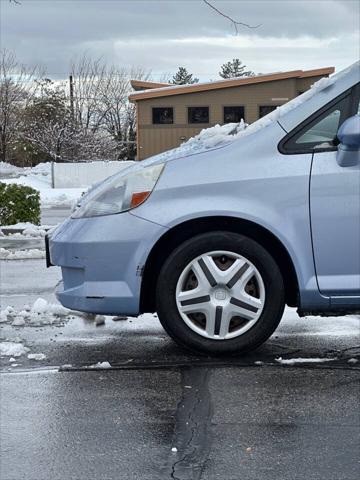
pixel 220 293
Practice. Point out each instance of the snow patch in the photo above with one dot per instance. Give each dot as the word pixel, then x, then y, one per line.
pixel 18 322
pixel 99 320
pixel 28 230
pixel 33 231
pixel 4 314
pixel 21 254
pixel 36 356
pixel 12 349
pixel 293 361
pixel 42 307
pixel 102 365
pixel 40 313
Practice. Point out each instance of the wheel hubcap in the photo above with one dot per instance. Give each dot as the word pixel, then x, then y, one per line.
pixel 220 295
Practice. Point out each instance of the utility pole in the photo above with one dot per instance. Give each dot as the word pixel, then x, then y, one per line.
pixel 71 96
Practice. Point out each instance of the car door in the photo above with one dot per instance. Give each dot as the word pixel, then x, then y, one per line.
pixel 334 195
pixel 334 199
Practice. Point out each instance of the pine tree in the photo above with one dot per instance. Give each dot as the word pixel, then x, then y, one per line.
pixel 183 77
pixel 233 69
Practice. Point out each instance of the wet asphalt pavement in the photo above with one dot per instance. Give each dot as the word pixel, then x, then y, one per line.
pixel 228 419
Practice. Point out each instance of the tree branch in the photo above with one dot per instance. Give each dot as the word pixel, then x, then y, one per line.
pixel 235 23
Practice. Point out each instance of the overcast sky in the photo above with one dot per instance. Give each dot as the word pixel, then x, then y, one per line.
pixel 162 34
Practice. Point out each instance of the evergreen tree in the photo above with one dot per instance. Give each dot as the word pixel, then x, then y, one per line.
pixel 183 77
pixel 233 69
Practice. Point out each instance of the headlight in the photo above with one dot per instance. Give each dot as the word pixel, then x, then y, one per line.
pixel 120 193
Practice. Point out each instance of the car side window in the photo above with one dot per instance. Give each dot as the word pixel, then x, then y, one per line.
pixel 323 131
pixel 318 133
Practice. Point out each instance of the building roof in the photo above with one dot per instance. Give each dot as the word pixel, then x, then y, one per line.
pixel 145 85
pixel 166 90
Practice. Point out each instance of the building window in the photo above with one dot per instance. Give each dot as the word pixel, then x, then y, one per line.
pixel 198 114
pixel 233 114
pixel 265 109
pixel 162 115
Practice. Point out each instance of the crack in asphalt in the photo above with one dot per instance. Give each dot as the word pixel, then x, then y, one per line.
pixel 339 364
pixel 191 433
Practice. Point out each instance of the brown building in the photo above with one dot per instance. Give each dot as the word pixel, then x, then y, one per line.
pixel 168 115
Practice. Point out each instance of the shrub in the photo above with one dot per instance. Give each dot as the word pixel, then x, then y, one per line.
pixel 19 204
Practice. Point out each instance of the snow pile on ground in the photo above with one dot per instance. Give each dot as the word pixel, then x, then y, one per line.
pixel 31 230
pixel 5 314
pixel 293 361
pixel 8 170
pixel 28 230
pixel 39 314
pixel 21 254
pixel 39 177
pixel 41 173
pixel 101 365
pixel 36 356
pixel 12 349
pixel 61 197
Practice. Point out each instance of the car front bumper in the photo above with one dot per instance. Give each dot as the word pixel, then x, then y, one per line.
pixel 102 261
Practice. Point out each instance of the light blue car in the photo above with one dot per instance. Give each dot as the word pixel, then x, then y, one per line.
pixel 218 241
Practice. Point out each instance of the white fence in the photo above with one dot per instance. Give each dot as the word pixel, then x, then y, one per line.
pixel 75 175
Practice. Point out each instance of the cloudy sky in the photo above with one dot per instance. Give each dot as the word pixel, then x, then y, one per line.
pixel 162 34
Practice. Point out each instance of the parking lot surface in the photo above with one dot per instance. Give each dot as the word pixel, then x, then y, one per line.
pixel 154 411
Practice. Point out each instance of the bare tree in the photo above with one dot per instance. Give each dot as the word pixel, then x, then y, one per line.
pixel 119 116
pixel 101 101
pixel 164 77
pixel 234 22
pixel 17 88
pixel 89 76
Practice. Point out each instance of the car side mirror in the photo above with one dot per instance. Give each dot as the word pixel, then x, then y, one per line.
pixel 348 154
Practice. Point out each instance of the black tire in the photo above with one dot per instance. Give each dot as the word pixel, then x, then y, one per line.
pixel 171 319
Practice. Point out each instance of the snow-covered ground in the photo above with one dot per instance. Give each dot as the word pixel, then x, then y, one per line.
pixel 26 229
pixel 17 241
pixel 39 177
pixel 7 254
pixel 41 312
